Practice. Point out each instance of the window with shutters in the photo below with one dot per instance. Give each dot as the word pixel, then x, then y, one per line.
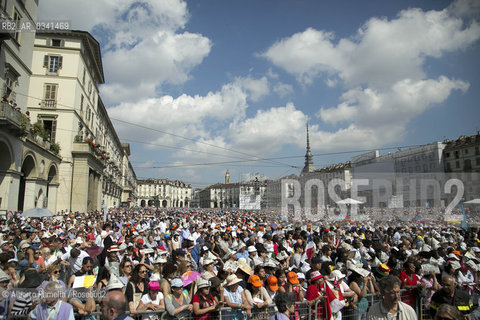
pixel 50 95
pixel 52 63
pixel 11 78
pixel 17 18
pixel 50 126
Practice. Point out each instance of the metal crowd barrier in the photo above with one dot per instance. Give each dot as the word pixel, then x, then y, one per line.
pixel 303 311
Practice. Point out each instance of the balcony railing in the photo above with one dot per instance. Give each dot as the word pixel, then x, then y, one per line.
pixel 49 103
pixel 11 119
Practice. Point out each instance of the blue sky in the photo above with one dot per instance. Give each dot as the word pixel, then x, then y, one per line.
pixel 239 79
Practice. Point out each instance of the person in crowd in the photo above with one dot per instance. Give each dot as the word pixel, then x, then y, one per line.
pixel 113 306
pixel 431 286
pixel 102 278
pixel 125 271
pixel 47 256
pixel 272 286
pixel 209 269
pixel 53 273
pixel 453 295
pixel 178 303
pixel 256 295
pixel 448 312
pixel 153 300
pixel 234 296
pixel 136 287
pixel 411 282
pixel 52 307
pixel 204 303
pixel 21 304
pixel 391 306
pixel 168 273
pixel 158 264
pixel 361 285
pixel 285 302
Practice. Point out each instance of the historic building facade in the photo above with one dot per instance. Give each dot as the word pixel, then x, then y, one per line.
pixel 411 178
pixel 462 161
pixel 250 195
pixel 29 161
pixel 64 100
pixel 163 193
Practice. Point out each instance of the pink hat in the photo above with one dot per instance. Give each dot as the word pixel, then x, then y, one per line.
pixel 153 286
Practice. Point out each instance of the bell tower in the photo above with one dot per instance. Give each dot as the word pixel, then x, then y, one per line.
pixel 227 177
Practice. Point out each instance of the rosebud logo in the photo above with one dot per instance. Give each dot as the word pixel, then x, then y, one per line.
pixel 314 199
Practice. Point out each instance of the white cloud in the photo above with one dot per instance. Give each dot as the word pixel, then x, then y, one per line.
pixel 404 101
pixel 269 130
pixel 381 53
pixel 283 89
pixel 465 8
pixel 141 37
pixel 381 69
pixel 197 117
pixel 256 88
pixel 165 57
pixel 381 116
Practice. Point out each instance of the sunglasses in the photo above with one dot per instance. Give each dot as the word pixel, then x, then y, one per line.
pixel 56 271
pixel 143 271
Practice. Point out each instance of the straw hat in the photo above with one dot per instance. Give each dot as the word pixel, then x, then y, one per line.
pixel 336 275
pixel 114 283
pixel 202 283
pixel 231 280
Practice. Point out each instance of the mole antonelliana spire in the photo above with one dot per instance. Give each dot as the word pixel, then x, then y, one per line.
pixel 308 157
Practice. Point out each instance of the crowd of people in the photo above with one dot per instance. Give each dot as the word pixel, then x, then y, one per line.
pixel 198 263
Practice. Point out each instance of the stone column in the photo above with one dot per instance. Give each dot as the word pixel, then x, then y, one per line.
pixel 9 189
pixel 30 194
pixel 52 197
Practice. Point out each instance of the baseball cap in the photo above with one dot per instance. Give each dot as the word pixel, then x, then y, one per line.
pixel 255 281
pixel 292 278
pixel 272 283
pixel 177 283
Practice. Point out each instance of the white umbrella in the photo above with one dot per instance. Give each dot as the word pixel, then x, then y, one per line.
pixel 474 201
pixel 37 213
pixel 349 201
